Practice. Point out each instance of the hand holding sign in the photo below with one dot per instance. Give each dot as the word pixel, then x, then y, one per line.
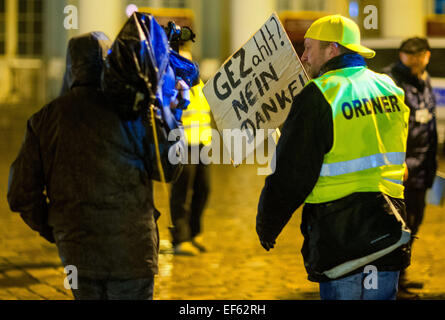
pixel 254 89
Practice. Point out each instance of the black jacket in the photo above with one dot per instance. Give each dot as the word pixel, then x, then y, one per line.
pixel 422 137
pixel 82 177
pixel 307 135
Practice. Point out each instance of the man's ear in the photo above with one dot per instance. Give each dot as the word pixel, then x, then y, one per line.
pixel 333 50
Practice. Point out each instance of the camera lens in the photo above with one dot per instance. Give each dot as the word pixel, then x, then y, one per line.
pixel 186 34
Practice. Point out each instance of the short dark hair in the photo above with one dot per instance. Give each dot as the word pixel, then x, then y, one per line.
pixel 415 45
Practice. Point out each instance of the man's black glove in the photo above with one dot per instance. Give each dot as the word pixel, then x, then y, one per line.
pixel 266 240
pixel 267 244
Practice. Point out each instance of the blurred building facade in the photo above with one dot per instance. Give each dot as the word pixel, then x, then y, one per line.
pixel 34 33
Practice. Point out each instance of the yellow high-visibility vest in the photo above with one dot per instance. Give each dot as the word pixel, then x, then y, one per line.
pixel 196 119
pixel 370 121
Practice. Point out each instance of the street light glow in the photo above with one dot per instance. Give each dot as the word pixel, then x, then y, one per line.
pixel 131 8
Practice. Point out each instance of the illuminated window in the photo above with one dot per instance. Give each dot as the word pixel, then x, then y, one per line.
pixel 2 27
pixel 440 7
pixel 30 27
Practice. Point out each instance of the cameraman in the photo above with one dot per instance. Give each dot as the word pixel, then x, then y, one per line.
pixel 82 178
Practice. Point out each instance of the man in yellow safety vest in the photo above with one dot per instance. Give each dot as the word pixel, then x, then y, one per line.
pixel 342 153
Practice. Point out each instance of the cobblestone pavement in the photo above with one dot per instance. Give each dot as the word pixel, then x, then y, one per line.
pixel 235 266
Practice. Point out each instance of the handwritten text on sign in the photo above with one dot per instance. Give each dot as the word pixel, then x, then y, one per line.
pixel 255 87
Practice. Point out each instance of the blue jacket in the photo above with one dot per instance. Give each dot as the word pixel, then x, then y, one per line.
pixel 422 137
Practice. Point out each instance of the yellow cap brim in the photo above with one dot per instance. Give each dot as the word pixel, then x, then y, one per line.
pixel 362 50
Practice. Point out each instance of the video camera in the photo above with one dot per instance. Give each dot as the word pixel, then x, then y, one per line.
pixel 178 35
pixel 142 69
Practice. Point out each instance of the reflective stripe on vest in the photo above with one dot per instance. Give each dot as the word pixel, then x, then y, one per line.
pixel 374 161
pixel 370 130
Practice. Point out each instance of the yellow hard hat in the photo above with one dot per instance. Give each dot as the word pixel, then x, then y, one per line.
pixel 336 28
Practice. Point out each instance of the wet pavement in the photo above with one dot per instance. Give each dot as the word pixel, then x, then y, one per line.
pixel 235 267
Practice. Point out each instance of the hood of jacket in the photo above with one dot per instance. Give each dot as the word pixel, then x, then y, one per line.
pixel 142 69
pixel 84 60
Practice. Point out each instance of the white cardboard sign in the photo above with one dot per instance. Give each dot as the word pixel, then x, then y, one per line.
pixel 255 87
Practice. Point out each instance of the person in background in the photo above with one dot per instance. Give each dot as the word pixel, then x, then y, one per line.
pixel 189 194
pixel 410 74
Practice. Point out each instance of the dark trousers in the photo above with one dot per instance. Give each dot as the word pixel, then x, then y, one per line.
pixel 188 199
pixel 415 207
pixel 91 289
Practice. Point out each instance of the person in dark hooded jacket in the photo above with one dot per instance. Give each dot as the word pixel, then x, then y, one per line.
pixel 410 74
pixel 85 55
pixel 83 175
pixel 84 60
